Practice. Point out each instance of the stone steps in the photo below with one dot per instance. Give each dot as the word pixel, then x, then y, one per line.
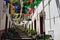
pixel 17 35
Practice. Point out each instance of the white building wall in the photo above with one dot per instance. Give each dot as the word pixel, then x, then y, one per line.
pixel 34 16
pixel 54 17
pixel 47 22
pixel 57 29
pixel 3 15
pixel 3 23
pixel 28 25
pixel 55 22
pixel 38 24
pixel 37 11
pixel 1 10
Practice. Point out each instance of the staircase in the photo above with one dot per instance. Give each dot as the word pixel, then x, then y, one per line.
pixel 17 34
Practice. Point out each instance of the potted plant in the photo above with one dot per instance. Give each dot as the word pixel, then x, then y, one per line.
pixel 34 34
pixel 28 32
pixel 31 32
pixel 47 37
pixel 23 29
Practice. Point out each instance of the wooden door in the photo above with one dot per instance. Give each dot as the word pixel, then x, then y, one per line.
pixel 6 23
pixel 41 24
pixel 35 25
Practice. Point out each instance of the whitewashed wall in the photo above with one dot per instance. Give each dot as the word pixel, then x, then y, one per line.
pixel 36 16
pixel 3 15
pixel 54 17
pixel 1 8
pixel 55 23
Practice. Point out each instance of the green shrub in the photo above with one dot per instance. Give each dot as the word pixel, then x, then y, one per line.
pixel 47 37
pixel 33 32
pixel 30 32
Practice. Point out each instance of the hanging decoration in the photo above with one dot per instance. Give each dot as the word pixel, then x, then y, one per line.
pixel 16 14
pixel 31 1
pixel 7 1
pixel 25 15
pixel 22 18
pixel 30 10
pixel 11 7
pixel 27 10
pixel 34 4
pixel 28 19
pixel 16 6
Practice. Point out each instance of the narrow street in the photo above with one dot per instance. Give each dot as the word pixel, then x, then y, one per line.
pixel 29 19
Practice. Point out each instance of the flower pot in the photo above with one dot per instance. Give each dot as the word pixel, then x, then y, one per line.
pixel 29 34
pixel 34 36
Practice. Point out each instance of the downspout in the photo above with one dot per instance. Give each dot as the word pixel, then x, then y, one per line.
pixel 49 13
pixel 43 17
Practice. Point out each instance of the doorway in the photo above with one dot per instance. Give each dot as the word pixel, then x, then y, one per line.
pixel 6 22
pixel 41 24
pixel 35 24
pixel 32 25
pixel 9 24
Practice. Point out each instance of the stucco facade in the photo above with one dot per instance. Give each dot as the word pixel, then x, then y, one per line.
pixel 4 12
pixel 52 19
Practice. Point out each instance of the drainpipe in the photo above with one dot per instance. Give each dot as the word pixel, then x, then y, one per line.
pixel 49 14
pixel 43 17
